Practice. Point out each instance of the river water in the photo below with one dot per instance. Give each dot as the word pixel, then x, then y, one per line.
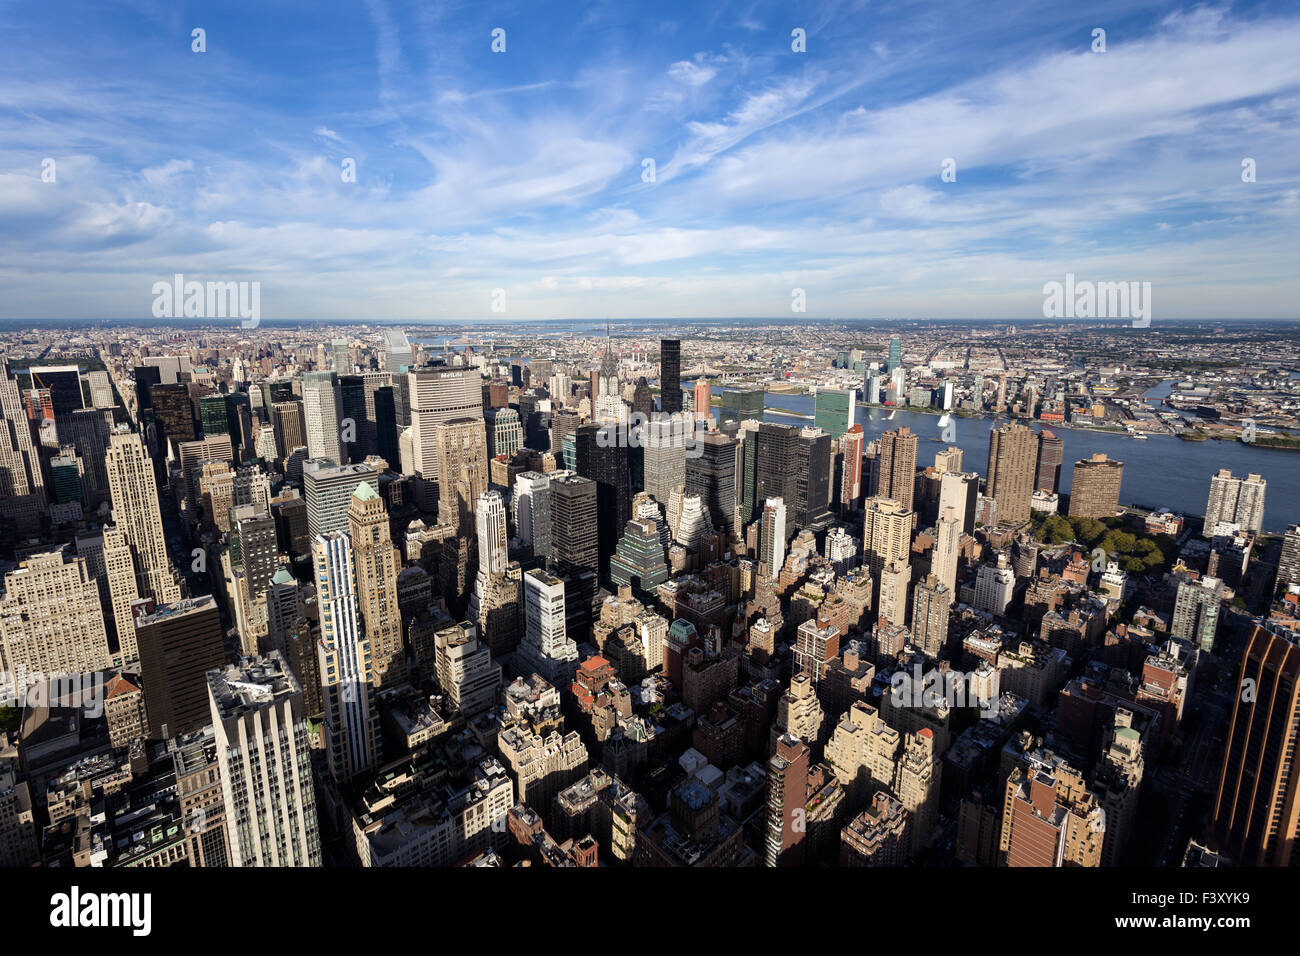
pixel 1160 472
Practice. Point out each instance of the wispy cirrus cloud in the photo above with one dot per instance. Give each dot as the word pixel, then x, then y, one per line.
pixel 524 170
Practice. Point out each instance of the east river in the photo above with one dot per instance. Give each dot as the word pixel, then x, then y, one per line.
pixel 1161 471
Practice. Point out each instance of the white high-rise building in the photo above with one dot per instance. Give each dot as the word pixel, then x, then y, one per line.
pixel 490 524
pixel 898 385
pixel 346 669
pixel 873 382
pixel 560 387
pixel 841 549
pixel 397 351
pixel 994 585
pixel 947 549
pixel 959 492
pixel 772 544
pixel 532 507
pixel 466 672
pixel 264 758
pixel 687 520
pixel 1250 503
pixel 546 647
pixel 1234 501
pixel 322 405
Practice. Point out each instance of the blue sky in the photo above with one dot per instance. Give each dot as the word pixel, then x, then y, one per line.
pixel 523 170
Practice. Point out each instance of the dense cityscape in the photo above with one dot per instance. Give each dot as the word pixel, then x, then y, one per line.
pixel 840 442
pixel 637 594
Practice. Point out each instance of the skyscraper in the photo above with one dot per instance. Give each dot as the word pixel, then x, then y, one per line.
pixel 505 434
pixel 851 481
pixel 440 394
pixel 897 479
pixel 1288 565
pixel 712 476
pixel 833 410
pixel 930 602
pixel 670 376
pixel 1238 501
pixel 1256 813
pixel 960 492
pixel 703 399
pixel 741 404
pixel 465 669
pixel 947 549
pixel 257 712
pixel 1094 489
pixel 494 605
pixel 1051 452
pixel 50 619
pixel 638 561
pixel 1196 611
pixel 347 673
pixel 602 456
pixel 573 523
pixel 532 510
pixel 290 428
pixel 1049 816
pixel 193 456
pixel 895 577
pixel 397 352
pixel 461 447
pixel 663 441
pixel 376 564
pixel 135 510
pixel 546 647
pixel 24 464
pixel 794 465
pixel 328 489
pixel 887 535
pixel 994 585
pixel 253 542
pixel 575 551
pixel 173 412
pixel 1013 454
pixel 895 354
pixel 386 426
pixel 356 424
pixel 179 643
pixel 772 542
pixel 322 403
pixel 787 796
pixel 948 460
pixel 607 404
